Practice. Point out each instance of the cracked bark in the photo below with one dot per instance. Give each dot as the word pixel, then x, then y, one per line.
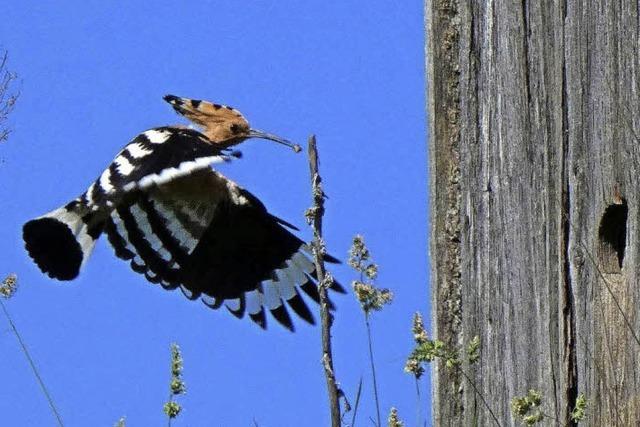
pixel 533 143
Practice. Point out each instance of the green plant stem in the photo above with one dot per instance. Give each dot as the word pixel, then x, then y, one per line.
pixel 169 418
pixel 33 365
pixel 373 369
pixel 418 404
pixel 355 408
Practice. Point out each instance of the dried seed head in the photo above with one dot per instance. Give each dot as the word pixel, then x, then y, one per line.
pixel 9 286
pixel 419 332
pixel 371 271
pixel 370 297
pixel 172 409
pixel 413 366
pixel 394 419
pixel 358 253
pixel 176 361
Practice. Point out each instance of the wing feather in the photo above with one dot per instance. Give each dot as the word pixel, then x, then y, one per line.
pixel 153 158
pixel 213 240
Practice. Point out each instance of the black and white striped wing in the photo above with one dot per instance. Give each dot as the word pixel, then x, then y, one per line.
pixel 62 240
pixel 217 242
pixel 154 157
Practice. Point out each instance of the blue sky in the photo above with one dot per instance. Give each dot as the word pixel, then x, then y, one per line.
pixel 93 74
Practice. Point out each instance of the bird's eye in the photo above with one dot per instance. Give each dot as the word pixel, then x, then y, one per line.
pixel 235 128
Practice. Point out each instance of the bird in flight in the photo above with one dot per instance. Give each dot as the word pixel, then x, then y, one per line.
pixel 184 225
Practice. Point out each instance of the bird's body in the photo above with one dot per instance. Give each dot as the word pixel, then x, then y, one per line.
pixel 183 224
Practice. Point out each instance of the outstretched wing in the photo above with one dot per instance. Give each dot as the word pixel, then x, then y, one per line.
pixel 154 157
pixel 61 241
pixel 215 241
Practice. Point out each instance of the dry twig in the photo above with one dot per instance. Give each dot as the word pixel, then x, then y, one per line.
pixel 8 96
pixel 324 281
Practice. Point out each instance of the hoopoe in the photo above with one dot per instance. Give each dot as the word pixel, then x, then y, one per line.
pixel 184 225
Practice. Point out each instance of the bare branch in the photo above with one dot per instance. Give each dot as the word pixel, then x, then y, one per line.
pixel 324 281
pixel 8 96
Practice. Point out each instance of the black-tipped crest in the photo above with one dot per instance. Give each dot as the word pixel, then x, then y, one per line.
pixel 221 124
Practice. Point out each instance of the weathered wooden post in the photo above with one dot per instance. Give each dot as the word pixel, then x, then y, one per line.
pixel 535 184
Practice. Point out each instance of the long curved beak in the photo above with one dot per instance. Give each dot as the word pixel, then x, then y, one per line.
pixel 254 133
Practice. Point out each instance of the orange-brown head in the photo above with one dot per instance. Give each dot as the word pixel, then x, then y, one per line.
pixel 221 124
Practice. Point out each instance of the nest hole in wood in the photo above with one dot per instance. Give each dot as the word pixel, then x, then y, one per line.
pixel 612 236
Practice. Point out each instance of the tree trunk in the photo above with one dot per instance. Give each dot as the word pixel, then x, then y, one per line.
pixel 535 179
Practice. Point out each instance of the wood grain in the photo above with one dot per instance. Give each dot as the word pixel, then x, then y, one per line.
pixel 532 118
